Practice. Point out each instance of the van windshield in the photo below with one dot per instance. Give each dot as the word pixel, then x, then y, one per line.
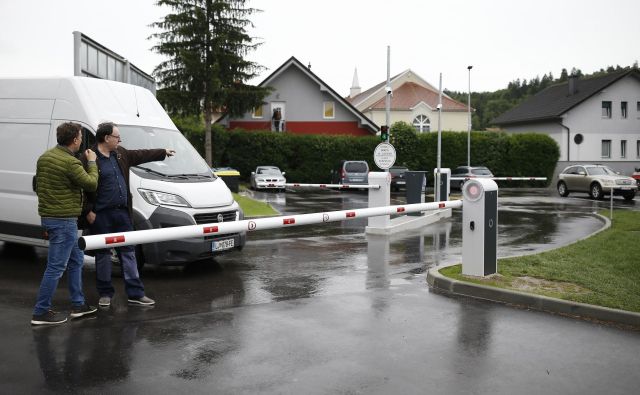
pixel 356 167
pixel 186 160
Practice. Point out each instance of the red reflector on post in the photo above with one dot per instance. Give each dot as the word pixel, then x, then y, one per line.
pixel 441 205
pixel 400 209
pixel 296 185
pixel 351 214
pixel 323 185
pixel 210 229
pixel 345 186
pixel 114 239
pixel 288 221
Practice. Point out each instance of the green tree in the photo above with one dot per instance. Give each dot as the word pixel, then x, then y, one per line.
pixel 205 42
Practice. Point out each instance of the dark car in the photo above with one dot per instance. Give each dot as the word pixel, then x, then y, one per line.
pixel 351 172
pixel 468 172
pixel 398 177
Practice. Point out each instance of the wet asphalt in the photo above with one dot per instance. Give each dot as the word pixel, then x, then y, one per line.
pixel 322 310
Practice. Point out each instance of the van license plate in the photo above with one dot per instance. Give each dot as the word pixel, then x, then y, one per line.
pixel 221 245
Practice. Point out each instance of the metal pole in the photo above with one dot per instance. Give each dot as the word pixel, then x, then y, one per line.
pixel 469 130
pixel 387 103
pixel 439 156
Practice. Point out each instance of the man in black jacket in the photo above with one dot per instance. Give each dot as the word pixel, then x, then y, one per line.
pixel 109 210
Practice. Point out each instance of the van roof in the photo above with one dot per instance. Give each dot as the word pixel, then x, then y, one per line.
pixel 83 99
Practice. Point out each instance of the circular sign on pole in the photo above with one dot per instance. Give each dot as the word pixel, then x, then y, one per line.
pixel 384 155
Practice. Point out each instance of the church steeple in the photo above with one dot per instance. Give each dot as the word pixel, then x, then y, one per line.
pixel 355 85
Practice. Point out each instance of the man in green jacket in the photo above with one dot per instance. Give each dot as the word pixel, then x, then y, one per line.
pixel 60 179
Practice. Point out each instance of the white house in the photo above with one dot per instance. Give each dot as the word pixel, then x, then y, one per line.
pixel 414 101
pixel 593 120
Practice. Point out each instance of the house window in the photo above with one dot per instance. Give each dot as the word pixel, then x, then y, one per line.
pixel 637 148
pixel 623 109
pixel 623 148
pixel 257 112
pixel 638 109
pixel 606 109
pixel 606 149
pixel 328 110
pixel 422 124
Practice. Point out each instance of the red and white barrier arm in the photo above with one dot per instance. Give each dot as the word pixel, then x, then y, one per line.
pixel 337 186
pixel 109 240
pixel 503 178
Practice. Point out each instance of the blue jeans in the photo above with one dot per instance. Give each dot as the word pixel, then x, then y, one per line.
pixel 63 254
pixel 111 221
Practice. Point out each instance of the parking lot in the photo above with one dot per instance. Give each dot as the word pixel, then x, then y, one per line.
pixel 322 309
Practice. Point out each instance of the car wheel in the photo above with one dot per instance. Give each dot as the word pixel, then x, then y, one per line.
pixel 562 189
pixel 629 196
pixel 596 191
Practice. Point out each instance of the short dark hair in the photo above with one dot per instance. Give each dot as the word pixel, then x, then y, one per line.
pixel 66 132
pixel 104 129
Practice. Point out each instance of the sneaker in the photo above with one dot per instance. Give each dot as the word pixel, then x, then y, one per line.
pixel 48 318
pixel 79 311
pixel 104 301
pixel 144 301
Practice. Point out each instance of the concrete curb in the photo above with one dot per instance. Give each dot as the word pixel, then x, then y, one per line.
pixel 450 286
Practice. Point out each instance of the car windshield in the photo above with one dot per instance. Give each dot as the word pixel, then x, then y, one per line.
pixel 481 172
pixel 269 170
pixel 186 160
pixel 600 171
pixel 356 167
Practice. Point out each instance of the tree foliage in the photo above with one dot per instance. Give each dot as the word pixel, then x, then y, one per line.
pixel 205 42
pixel 489 105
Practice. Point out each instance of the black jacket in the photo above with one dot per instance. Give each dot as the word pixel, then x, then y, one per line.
pixel 126 158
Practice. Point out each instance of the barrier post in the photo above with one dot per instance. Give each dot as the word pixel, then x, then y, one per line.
pixel 479 227
pixel 445 184
pixel 379 197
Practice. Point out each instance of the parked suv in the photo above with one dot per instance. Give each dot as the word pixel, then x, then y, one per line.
pixel 351 172
pixel 596 180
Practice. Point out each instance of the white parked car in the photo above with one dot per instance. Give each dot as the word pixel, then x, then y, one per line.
pixel 267 177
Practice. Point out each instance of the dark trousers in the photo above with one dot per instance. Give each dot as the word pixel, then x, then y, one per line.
pixel 113 221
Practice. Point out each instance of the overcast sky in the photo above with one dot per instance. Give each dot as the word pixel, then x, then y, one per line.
pixel 502 39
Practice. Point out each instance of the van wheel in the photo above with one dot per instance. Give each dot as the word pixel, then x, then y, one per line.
pixel 629 196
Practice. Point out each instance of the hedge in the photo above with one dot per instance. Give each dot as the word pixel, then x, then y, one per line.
pixel 310 158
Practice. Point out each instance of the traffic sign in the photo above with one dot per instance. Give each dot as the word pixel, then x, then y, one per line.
pixel 384 155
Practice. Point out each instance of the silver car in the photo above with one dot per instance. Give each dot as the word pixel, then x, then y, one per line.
pixel 597 181
pixel 267 177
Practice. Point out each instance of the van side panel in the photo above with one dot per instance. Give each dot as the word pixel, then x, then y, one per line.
pixel 20 146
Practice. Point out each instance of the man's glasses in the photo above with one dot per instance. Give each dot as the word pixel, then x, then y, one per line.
pixel 118 137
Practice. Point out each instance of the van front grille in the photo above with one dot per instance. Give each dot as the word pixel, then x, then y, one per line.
pixel 210 218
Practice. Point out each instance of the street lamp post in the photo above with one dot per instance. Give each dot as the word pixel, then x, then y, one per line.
pixel 469 126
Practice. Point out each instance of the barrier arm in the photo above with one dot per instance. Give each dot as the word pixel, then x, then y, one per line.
pixel 336 186
pixel 109 240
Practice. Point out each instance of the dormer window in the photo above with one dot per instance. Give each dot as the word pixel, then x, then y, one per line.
pixel 623 109
pixel 422 124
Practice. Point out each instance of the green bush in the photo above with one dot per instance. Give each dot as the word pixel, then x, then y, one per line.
pixel 310 158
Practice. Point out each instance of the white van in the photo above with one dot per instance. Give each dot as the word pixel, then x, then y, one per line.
pixel 181 190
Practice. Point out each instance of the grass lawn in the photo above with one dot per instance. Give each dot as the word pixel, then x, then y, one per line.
pixel 602 270
pixel 254 208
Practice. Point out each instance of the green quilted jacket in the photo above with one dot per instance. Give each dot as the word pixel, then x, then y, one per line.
pixel 60 179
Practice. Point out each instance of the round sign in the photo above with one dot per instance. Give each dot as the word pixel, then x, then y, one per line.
pixel 384 155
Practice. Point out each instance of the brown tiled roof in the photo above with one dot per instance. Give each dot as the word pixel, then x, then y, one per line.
pixel 410 94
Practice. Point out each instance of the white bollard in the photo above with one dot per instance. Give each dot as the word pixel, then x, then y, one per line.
pixel 479 227
pixel 379 197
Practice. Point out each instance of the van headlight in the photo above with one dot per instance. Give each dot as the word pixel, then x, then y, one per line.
pixel 162 198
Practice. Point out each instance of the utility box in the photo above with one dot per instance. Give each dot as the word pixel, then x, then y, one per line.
pixel 229 176
pixel 416 181
pixel 479 227
pixel 445 184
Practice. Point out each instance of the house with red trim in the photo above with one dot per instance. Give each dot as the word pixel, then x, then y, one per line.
pixel 301 103
pixel 413 100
